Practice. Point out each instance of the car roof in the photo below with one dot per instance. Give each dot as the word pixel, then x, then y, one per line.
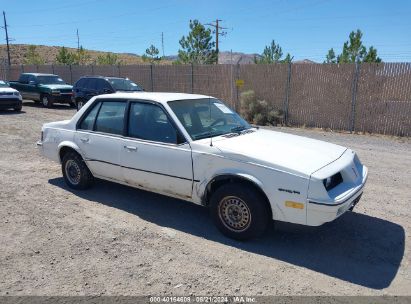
pixel 155 96
pixel 40 74
pixel 101 77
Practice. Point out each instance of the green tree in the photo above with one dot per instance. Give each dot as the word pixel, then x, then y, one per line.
pixel 330 58
pixel 108 59
pixel 65 57
pixel 372 55
pixel 151 54
pixel 354 51
pixel 197 47
pixel 272 54
pixel 288 58
pixel 32 56
pixel 82 57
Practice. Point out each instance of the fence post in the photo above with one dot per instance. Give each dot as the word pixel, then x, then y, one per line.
pixel 52 68
pixel 71 75
pixel 354 97
pixel 287 94
pixel 237 101
pixel 192 78
pixel 151 77
pixel 92 69
pixel 22 68
pixel 118 69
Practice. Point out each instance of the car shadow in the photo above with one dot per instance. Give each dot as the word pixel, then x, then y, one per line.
pixel 356 248
pixel 60 106
pixel 11 112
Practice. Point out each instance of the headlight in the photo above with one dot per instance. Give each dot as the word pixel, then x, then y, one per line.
pixel 332 181
pixel 16 93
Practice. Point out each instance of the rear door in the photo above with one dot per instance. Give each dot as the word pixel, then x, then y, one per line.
pixel 154 155
pixel 99 137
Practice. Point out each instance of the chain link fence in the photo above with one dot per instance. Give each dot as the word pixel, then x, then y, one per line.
pixel 374 98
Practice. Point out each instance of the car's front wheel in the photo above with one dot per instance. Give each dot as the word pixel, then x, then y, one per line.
pixel 46 100
pixel 75 172
pixel 239 211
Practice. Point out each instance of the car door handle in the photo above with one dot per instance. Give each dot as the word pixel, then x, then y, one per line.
pixel 130 148
pixel 85 139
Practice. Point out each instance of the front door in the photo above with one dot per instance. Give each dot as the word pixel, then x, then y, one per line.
pixel 154 155
pixel 99 137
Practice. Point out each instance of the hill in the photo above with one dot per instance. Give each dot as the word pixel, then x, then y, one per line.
pixel 48 53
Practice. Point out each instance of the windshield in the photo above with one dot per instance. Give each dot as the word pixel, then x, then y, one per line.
pixel 207 117
pixel 49 80
pixel 120 84
pixel 3 84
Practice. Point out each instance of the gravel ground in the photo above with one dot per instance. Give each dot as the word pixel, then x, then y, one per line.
pixel 115 240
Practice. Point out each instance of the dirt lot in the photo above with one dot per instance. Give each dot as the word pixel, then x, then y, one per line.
pixel 117 240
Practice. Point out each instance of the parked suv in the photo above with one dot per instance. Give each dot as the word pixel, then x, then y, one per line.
pixel 89 86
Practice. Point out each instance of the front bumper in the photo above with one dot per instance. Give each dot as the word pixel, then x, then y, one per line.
pixel 8 103
pixel 61 98
pixel 323 211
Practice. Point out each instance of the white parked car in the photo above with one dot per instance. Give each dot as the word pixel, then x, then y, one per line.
pixel 195 148
pixel 9 97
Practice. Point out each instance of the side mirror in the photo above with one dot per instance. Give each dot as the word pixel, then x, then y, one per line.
pixel 32 82
pixel 107 91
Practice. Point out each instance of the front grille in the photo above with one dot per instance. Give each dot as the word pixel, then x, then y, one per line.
pixel 6 93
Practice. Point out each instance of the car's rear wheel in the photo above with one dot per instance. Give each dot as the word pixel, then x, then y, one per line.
pixel 75 172
pixel 239 211
pixel 72 105
pixel 18 108
pixel 46 100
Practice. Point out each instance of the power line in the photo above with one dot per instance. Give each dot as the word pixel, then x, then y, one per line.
pixel 7 37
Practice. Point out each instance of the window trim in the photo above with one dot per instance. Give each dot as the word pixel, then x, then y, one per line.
pixel 170 119
pixel 124 134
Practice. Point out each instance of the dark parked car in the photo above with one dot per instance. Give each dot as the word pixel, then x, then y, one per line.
pixel 89 86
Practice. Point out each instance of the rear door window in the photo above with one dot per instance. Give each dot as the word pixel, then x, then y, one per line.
pixel 88 121
pixel 110 118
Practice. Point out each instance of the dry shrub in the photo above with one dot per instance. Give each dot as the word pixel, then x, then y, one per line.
pixel 259 112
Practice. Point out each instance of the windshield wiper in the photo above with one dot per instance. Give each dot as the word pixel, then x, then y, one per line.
pixel 238 129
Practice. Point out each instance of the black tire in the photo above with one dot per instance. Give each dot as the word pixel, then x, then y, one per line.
pixel 46 100
pixel 75 172
pixel 18 108
pixel 72 105
pixel 239 211
pixel 79 103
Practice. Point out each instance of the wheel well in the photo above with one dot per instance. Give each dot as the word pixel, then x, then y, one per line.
pixel 221 180
pixel 64 150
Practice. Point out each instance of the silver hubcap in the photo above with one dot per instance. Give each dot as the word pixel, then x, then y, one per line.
pixel 73 172
pixel 45 101
pixel 234 213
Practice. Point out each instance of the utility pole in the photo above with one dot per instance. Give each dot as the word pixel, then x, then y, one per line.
pixel 162 42
pixel 7 38
pixel 78 41
pixel 217 32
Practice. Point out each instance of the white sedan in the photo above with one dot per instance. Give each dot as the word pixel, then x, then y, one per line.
pixel 195 148
pixel 9 97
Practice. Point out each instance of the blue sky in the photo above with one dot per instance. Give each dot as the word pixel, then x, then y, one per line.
pixel 305 28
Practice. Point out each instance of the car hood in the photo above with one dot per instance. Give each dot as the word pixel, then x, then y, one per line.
pixel 6 89
pixel 56 86
pixel 282 151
